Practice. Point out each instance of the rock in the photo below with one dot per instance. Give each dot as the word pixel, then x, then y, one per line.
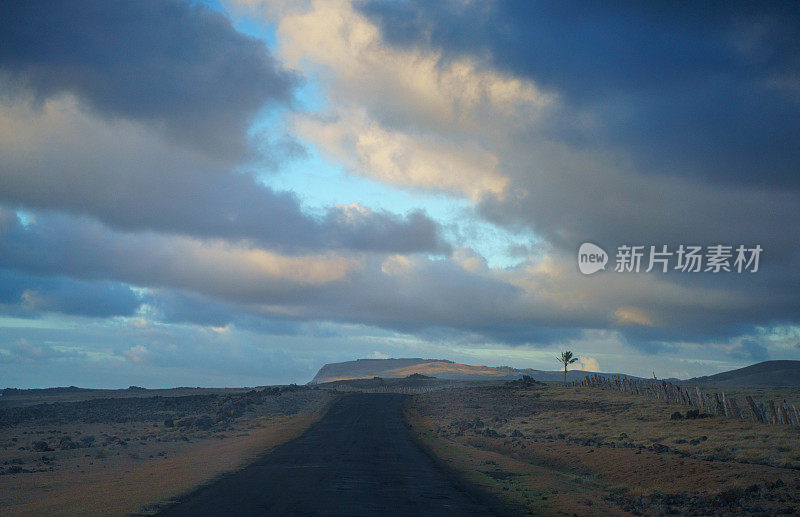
pixel 777 484
pixel 676 416
pixel 87 441
pixel 204 422
pixel 41 447
pixel 185 422
pixel 517 434
pixel 168 422
pixel 66 443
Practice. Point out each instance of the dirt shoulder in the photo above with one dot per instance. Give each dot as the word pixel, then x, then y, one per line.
pixel 87 460
pixel 555 450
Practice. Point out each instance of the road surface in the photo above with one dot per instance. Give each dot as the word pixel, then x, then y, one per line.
pixel 359 459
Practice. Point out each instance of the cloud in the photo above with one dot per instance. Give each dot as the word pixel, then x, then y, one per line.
pixel 633 316
pixel 26 295
pixel 216 283
pixel 587 364
pixel 57 244
pixel 682 134
pixel 96 354
pixel 750 350
pixel 174 65
pixel 28 352
pixel 403 116
pixel 60 158
pixel 137 354
pixel 668 83
pixel 404 159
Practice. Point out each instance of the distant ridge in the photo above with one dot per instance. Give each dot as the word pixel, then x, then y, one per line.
pixel 767 373
pixel 7 392
pixel 439 368
pixel 365 368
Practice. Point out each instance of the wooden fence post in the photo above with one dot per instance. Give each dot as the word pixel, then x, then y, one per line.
pixel 773 415
pixel 735 408
pixel 756 413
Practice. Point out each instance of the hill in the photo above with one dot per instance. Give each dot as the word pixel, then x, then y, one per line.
pixel 439 368
pixel 768 373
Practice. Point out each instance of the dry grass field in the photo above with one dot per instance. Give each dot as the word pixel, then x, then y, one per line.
pixel 118 456
pixel 586 451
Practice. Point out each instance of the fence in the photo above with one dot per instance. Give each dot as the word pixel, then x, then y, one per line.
pixel 713 403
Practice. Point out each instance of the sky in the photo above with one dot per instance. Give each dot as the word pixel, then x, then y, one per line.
pixel 236 192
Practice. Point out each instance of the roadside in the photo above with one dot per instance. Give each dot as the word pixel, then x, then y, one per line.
pixel 557 450
pixel 101 457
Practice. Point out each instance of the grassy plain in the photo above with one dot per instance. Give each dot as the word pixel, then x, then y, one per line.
pixel 549 449
pixel 122 457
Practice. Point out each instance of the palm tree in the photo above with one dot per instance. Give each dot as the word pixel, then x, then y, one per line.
pixel 566 359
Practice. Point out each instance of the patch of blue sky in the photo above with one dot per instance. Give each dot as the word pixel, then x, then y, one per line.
pixel 255 27
pixel 25 218
pixel 319 183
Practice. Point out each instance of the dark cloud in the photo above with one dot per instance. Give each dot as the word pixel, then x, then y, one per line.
pixel 80 248
pixel 192 282
pixel 173 306
pixel 358 228
pixel 61 245
pixel 63 160
pixel 169 63
pixel 702 90
pixel 408 295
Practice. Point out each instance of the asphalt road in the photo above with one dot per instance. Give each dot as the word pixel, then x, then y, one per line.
pixel 359 459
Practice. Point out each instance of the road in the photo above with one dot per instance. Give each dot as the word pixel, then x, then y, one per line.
pixel 360 459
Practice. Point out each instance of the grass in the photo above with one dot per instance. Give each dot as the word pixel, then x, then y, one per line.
pixel 137 467
pixel 607 452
